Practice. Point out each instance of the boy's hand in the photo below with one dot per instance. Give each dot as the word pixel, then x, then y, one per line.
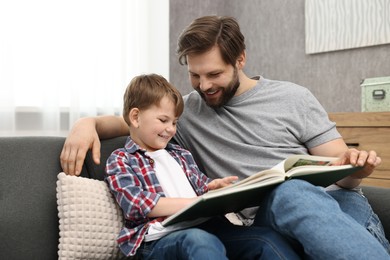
pixel 220 183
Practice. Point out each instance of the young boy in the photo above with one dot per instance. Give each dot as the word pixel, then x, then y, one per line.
pixel 152 179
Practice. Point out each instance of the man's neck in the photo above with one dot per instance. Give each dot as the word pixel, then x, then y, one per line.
pixel 246 84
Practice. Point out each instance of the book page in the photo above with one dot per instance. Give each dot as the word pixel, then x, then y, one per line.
pixel 306 160
pixel 280 170
pixel 310 169
pixel 257 177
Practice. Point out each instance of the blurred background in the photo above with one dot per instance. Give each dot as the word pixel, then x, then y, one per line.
pixel 62 60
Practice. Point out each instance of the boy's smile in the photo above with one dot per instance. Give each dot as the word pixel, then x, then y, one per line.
pixel 155 126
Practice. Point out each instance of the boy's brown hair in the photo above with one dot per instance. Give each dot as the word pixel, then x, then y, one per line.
pixel 146 90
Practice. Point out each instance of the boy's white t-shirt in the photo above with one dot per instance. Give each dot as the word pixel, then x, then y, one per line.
pixel 174 184
pixel 171 176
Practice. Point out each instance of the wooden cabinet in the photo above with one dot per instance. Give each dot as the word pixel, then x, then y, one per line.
pixel 368 131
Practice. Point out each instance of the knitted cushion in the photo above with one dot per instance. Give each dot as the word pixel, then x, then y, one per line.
pixel 89 219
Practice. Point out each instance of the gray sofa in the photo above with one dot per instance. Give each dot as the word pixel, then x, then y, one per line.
pixel 28 209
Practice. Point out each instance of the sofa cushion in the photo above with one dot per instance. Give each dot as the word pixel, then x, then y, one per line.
pixel 89 219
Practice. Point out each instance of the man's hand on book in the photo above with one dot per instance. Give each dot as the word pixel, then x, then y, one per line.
pixel 368 160
pixel 220 183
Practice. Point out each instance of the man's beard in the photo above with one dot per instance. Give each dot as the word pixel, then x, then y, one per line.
pixel 227 93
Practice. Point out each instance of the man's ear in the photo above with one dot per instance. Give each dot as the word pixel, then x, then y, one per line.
pixel 134 117
pixel 241 60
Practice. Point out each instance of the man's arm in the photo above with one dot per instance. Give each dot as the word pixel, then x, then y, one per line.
pixel 86 134
pixel 338 148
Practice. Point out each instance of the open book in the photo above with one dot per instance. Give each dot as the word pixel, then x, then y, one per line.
pixel 247 193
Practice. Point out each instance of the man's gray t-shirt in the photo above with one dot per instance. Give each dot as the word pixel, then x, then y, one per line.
pixel 255 130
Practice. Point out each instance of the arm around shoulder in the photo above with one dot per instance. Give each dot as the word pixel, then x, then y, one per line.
pixel 111 126
pixel 86 134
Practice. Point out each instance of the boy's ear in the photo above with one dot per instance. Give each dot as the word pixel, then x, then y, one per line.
pixel 134 117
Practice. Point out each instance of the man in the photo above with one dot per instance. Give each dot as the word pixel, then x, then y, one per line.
pixel 236 125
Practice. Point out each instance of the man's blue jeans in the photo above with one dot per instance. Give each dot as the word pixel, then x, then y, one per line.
pixel 337 224
pixel 219 239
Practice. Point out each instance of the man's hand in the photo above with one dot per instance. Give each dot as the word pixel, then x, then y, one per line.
pixel 85 135
pixel 220 183
pixel 82 137
pixel 368 160
pixel 338 148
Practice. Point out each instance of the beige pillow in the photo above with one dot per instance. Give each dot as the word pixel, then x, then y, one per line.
pixel 90 219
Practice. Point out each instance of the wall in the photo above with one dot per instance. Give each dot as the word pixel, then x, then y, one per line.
pixel 275 39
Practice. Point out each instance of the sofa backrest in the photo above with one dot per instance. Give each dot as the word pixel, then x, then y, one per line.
pixel 91 170
pixel 28 205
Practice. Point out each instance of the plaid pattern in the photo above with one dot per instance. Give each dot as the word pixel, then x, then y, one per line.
pixel 133 182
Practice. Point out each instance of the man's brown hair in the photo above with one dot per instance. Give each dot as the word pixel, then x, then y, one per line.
pixel 206 32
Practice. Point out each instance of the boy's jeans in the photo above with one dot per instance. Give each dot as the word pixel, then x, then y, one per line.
pixel 338 224
pixel 216 237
